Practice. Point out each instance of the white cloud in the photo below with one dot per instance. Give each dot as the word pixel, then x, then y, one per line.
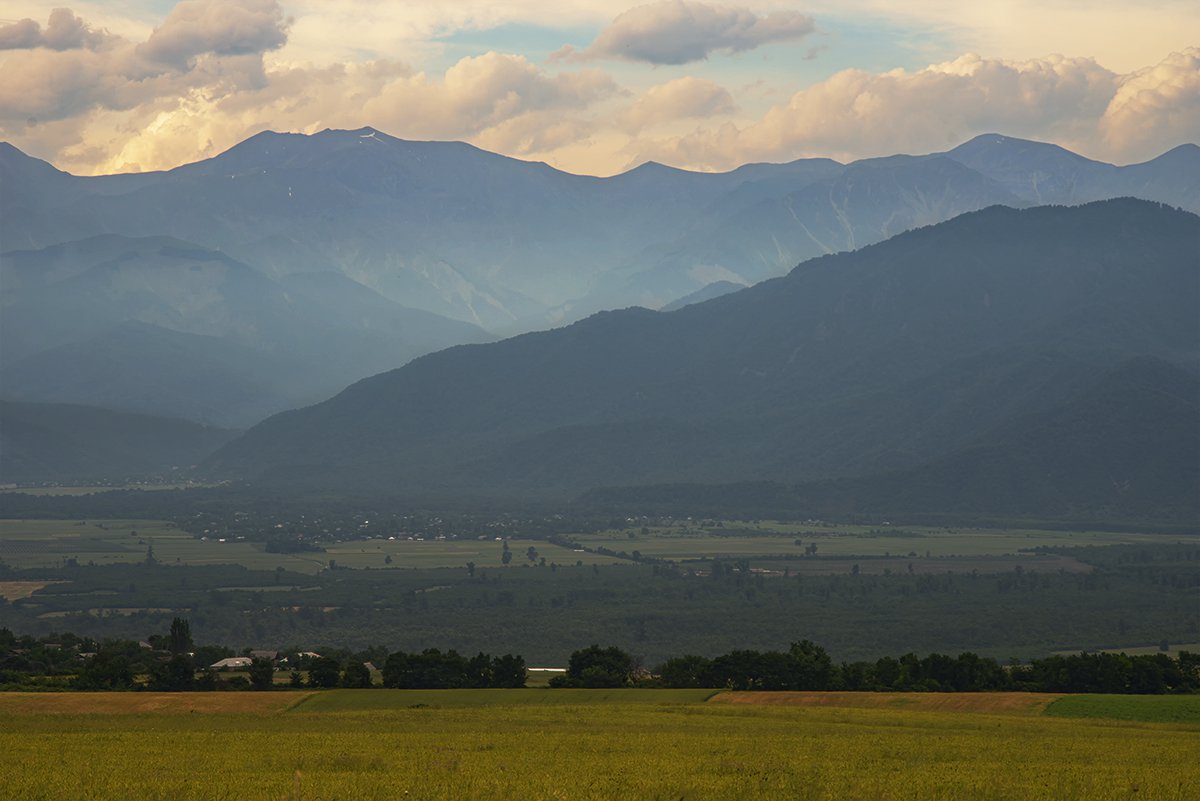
pixel 682 31
pixel 215 71
pixel 1155 108
pixel 852 114
pixel 680 99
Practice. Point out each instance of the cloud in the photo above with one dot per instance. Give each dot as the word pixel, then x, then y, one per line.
pixel 680 99
pixel 499 101
pixel 854 113
pixel 221 27
pixel 1156 108
pixel 682 31
pixel 63 31
pixel 72 68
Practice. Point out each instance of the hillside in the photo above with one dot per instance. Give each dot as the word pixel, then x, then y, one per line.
pixel 881 359
pixel 41 442
pixel 160 326
pixel 1123 448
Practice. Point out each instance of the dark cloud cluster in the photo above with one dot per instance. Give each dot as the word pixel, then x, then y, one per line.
pixel 63 31
pixel 68 66
pixel 682 31
pixel 221 27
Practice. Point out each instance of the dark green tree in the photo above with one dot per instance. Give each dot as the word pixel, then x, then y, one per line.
pixel 324 672
pixel 356 676
pixel 179 641
pixel 598 667
pixel 262 673
pixel 177 674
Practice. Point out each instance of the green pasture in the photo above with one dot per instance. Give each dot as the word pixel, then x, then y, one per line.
pixel 1152 708
pixel 98 488
pixel 48 543
pixel 585 751
pixel 767 542
pixel 364 700
pixel 429 553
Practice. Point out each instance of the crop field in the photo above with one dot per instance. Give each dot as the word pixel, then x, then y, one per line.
pixel 768 546
pixel 1152 708
pixel 773 546
pixel 988 703
pixel 15 590
pixel 47 543
pixel 573 750
pixel 361 700
pixel 452 553
pixel 94 489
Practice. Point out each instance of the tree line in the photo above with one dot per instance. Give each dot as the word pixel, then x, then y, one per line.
pixel 172 662
pixel 806 666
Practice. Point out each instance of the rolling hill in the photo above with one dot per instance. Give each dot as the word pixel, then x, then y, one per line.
pixel 46 442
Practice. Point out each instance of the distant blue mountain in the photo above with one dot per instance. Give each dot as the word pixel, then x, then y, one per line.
pixel 292 265
pixel 984 334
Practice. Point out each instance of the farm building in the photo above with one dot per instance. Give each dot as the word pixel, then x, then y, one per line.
pixel 232 663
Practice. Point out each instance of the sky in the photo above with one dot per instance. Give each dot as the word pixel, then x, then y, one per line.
pixel 594 87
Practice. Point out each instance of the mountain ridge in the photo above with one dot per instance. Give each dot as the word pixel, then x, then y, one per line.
pixel 1017 307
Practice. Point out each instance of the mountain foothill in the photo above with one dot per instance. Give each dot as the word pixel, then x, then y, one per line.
pixel 1002 328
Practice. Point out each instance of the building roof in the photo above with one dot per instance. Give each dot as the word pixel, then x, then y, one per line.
pixel 231 662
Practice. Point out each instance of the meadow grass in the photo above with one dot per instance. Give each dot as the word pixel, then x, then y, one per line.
pixel 357 700
pixel 778 539
pixel 47 543
pixel 1151 708
pixel 591 752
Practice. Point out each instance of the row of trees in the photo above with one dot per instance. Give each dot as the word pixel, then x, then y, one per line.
pixel 432 669
pixel 171 666
pixel 806 666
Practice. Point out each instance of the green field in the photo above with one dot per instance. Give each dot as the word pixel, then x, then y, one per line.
pixel 768 546
pixel 94 489
pixel 593 751
pixel 361 700
pixel 777 540
pixel 47 543
pixel 1152 708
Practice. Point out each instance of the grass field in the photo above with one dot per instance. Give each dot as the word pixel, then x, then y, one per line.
pixel 772 545
pixel 360 700
pixel 47 543
pixel 93 489
pixel 1152 708
pixel 989 703
pixel 592 751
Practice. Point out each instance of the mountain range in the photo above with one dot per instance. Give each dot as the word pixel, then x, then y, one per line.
pixel 1001 340
pixel 273 275
pixel 157 326
pixel 514 246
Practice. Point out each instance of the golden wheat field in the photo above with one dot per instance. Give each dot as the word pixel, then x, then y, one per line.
pixel 137 746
